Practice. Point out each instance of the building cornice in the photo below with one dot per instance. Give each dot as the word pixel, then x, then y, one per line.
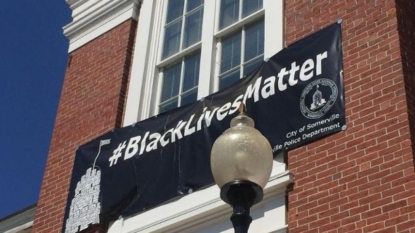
pixel 92 18
pixel 21 221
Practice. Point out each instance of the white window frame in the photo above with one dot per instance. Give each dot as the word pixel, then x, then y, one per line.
pixel 202 209
pixel 142 99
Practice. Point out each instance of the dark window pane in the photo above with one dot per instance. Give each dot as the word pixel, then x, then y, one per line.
pixel 193 28
pixel 229 79
pixel 229 13
pixel 231 52
pixel 189 97
pixel 191 71
pixel 172 39
pixel 174 10
pixel 168 106
pixel 250 6
pixel 251 66
pixel 171 82
pixel 192 4
pixel 254 40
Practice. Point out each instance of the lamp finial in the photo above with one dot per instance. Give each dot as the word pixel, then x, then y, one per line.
pixel 242 109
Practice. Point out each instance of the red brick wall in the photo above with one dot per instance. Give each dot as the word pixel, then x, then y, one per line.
pixel 360 180
pixel 91 103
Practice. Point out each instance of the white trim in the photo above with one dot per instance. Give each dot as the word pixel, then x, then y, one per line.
pixel 274 31
pixel 144 62
pixel 18 222
pixel 208 50
pixel 179 56
pixel 20 228
pixel 93 18
pixel 238 25
pixel 202 207
pixel 142 97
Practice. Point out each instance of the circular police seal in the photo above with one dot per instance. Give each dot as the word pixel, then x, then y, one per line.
pixel 318 97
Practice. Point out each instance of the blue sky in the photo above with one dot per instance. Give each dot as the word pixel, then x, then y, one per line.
pixel 33 57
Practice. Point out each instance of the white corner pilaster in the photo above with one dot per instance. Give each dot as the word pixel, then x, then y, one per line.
pixel 92 18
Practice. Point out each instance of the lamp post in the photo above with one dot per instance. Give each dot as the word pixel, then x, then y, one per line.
pixel 241 163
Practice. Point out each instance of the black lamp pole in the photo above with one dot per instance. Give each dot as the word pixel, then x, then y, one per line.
pixel 241 195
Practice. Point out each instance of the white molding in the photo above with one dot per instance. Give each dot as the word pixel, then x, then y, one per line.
pixel 95 17
pixel 208 49
pixel 144 62
pixel 18 222
pixel 274 27
pixel 21 228
pixel 143 89
pixel 204 209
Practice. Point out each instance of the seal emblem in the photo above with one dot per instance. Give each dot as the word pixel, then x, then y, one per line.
pixel 318 97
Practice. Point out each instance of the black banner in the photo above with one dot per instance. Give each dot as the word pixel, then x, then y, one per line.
pixel 294 98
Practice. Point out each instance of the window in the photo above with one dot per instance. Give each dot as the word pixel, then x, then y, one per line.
pixel 241 53
pixel 180 83
pixel 242 47
pixel 242 50
pixel 183 28
pixel 188 49
pixel 185 50
pixel 232 11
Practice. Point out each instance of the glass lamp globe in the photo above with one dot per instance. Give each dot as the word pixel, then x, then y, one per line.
pixel 241 153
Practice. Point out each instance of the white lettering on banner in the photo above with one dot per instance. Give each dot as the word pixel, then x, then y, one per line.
pixel 199 122
pixel 163 141
pixel 291 134
pixel 236 104
pixel 132 147
pixel 322 122
pixel 209 116
pixel 117 153
pixel 302 133
pixel 307 70
pixel 223 111
pixel 321 130
pixel 137 145
pixel 177 132
pixel 189 130
pixel 320 57
pixel 292 142
pixel 152 145
pixel 281 85
pixel 253 90
pixel 294 68
pixel 143 143
pixel 269 87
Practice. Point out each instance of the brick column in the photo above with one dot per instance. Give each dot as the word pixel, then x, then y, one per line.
pixel 91 103
pixel 360 180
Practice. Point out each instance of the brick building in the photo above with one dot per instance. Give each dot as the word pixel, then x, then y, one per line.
pixel 122 52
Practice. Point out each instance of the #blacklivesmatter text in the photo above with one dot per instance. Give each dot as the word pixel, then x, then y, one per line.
pixel 261 88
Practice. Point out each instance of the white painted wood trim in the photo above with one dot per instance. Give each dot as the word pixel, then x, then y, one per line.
pixel 19 221
pixel 94 18
pixel 274 27
pixel 140 63
pixel 20 228
pixel 208 49
pixel 192 210
pixel 144 81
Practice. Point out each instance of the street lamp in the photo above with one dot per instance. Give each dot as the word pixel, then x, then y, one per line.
pixel 241 163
